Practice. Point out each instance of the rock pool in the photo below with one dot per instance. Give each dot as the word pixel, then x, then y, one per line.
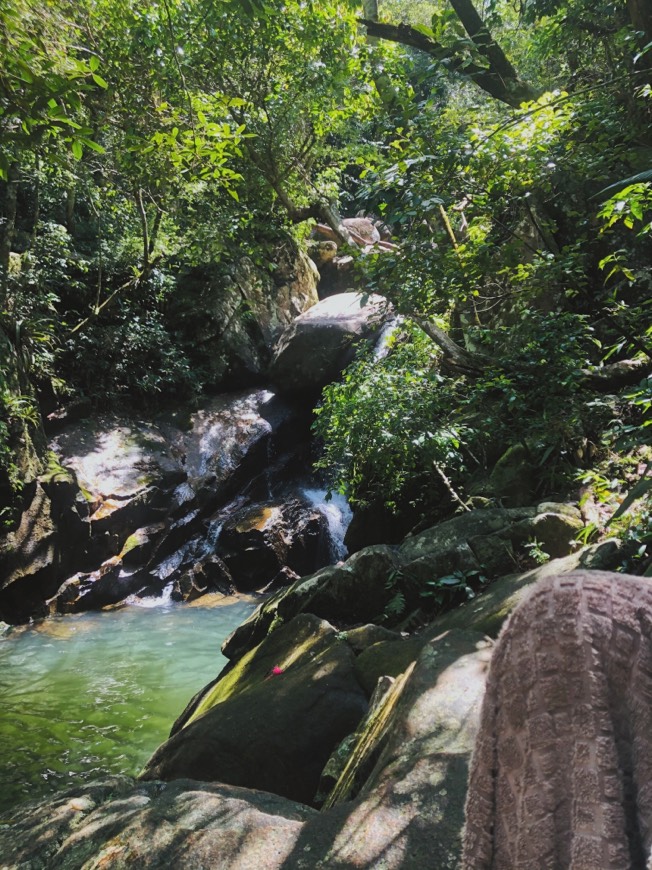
pixel 87 695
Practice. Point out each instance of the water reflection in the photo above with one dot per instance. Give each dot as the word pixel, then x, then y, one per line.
pixel 87 695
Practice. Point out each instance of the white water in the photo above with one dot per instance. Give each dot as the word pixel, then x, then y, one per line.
pixel 338 516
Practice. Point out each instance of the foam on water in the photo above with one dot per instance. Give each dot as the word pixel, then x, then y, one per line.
pixel 338 516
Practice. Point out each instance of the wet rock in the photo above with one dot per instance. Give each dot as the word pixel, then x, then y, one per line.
pixel 207 576
pixel 320 343
pixel 260 541
pixel 119 822
pixel 271 722
pixel 151 485
pixel 228 441
pixel 107 586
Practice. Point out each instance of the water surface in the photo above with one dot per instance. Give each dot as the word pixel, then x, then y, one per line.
pixel 88 695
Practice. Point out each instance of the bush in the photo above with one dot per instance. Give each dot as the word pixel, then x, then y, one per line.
pixel 388 424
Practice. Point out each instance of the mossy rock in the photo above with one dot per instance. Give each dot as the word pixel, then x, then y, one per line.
pixel 512 480
pixel 387 658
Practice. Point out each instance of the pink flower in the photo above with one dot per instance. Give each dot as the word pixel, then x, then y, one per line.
pixel 276 671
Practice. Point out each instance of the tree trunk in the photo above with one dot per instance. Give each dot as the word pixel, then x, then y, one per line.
pixel 640 14
pixel 510 90
pixel 71 196
pixel 144 227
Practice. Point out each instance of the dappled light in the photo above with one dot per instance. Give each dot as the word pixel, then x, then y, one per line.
pixel 324 343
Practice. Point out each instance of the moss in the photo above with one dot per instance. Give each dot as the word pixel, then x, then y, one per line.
pixel 250 670
pixel 55 472
pixel 132 542
pixel 369 739
pixel 257 520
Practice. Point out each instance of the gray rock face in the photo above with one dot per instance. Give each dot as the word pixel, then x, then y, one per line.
pixel 272 722
pixel 486 541
pixel 231 318
pixel 35 556
pixel 135 494
pixel 410 810
pixel 320 343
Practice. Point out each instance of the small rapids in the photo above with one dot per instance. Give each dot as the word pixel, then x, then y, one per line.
pixel 94 694
pixel 338 516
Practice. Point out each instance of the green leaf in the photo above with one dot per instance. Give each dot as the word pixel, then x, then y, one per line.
pixel 94 63
pixel 613 189
pixel 93 145
pixel 234 193
pixel 641 488
pixel 99 81
pixel 77 149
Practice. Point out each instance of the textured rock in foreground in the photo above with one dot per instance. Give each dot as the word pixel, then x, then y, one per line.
pixel 184 824
pixel 272 721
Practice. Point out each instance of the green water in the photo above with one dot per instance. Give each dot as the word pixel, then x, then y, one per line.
pixel 88 695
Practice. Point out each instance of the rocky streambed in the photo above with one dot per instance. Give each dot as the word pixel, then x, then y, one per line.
pixel 330 737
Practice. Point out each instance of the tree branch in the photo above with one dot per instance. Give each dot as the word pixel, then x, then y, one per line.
pixel 508 89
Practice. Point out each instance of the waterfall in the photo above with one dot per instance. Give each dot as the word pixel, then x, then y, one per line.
pixel 338 516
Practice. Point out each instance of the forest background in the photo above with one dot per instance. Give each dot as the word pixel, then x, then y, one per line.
pixel 508 147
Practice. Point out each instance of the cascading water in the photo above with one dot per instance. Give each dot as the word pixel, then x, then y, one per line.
pixel 338 516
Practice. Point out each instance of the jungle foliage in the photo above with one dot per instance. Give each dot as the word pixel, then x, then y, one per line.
pixel 506 145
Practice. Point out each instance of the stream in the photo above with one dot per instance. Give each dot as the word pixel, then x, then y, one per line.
pixel 93 694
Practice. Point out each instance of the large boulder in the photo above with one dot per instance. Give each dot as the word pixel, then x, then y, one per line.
pixel 321 343
pixel 491 540
pixel 271 722
pixel 260 540
pixel 229 316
